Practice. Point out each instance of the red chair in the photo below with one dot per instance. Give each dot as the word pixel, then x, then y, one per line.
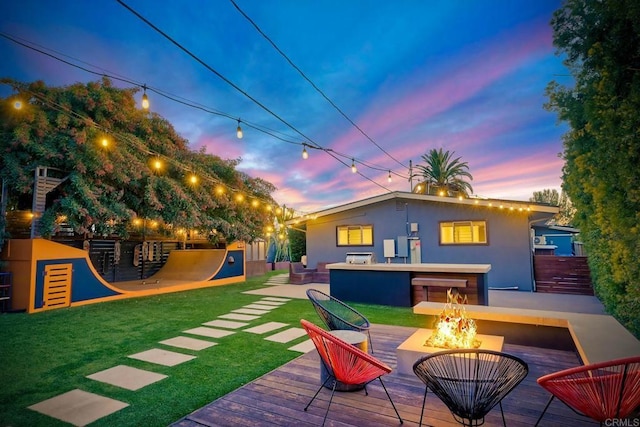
pixel 345 363
pixel 601 391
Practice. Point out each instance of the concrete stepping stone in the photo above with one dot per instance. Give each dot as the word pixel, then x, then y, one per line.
pixel 237 316
pixel 250 311
pixel 273 303
pixel 303 347
pixel 78 407
pixel 188 343
pixel 266 327
pixel 127 377
pixel 287 335
pixel 162 357
pixel 225 324
pixel 208 332
pixel 260 307
pixel 278 299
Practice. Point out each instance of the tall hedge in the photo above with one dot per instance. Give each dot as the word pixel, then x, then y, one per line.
pixel 600 41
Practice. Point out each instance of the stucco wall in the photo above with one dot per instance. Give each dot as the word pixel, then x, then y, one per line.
pixel 508 250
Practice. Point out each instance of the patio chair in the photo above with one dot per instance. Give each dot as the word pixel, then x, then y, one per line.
pixel 470 382
pixel 600 391
pixel 337 315
pixel 345 363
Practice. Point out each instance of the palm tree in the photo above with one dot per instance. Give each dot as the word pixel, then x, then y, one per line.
pixel 443 175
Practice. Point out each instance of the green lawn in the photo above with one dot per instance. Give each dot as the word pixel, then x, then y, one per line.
pixel 46 354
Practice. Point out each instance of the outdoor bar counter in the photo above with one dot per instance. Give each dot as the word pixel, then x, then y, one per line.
pixel 405 285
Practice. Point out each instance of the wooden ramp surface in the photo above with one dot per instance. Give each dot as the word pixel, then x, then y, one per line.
pixel 182 267
pixel 278 398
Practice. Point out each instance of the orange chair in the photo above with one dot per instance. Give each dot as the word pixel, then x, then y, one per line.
pixel 344 363
pixel 335 314
pixel 601 391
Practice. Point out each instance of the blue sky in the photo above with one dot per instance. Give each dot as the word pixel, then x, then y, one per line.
pixel 466 76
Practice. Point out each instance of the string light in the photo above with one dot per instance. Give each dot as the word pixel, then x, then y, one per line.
pixel 354 169
pixel 145 105
pixel 229 82
pixel 305 155
pixel 239 133
pixel 145 98
pixel 389 177
pixel 157 164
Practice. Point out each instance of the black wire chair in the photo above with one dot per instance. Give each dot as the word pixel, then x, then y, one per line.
pixel 470 382
pixel 337 315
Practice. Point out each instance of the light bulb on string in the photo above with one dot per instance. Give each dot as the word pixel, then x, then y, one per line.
pixel 157 164
pixel 353 166
pixel 239 133
pixel 305 154
pixel 145 98
pixel 389 177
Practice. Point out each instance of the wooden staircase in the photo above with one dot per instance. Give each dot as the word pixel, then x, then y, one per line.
pixel 43 184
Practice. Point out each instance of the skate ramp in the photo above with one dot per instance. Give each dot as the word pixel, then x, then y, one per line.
pixel 191 265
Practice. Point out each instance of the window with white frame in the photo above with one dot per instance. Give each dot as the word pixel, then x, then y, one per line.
pixel 354 235
pixel 463 233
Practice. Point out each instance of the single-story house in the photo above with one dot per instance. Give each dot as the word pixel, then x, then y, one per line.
pixel 403 227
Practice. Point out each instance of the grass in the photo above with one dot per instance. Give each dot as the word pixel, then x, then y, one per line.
pixel 46 354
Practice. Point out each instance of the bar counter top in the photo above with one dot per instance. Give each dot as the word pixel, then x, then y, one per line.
pixel 417 268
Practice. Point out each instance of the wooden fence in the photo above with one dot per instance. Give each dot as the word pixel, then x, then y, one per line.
pixel 562 274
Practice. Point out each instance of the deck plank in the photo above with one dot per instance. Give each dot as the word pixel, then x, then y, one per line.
pixel 279 397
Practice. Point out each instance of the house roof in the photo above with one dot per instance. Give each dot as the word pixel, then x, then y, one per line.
pixel 566 228
pixel 401 195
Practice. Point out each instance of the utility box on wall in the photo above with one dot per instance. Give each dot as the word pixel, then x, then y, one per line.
pixel 389 248
pixel 403 247
pixel 415 249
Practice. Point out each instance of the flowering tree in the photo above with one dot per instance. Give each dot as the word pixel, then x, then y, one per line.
pixel 120 163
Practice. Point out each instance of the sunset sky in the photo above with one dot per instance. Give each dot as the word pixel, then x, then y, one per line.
pixel 466 76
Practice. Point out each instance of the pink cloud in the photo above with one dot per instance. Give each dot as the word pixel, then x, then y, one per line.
pixel 461 79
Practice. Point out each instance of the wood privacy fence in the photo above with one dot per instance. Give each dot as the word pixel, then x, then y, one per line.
pixel 562 274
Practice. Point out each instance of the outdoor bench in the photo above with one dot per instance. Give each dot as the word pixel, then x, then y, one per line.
pixel 597 337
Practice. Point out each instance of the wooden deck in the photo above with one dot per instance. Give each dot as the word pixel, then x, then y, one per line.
pixel 278 398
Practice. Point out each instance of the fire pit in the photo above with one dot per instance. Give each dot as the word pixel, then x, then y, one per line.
pixel 453 330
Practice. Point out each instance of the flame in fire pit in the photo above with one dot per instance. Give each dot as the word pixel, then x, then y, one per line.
pixel 453 328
